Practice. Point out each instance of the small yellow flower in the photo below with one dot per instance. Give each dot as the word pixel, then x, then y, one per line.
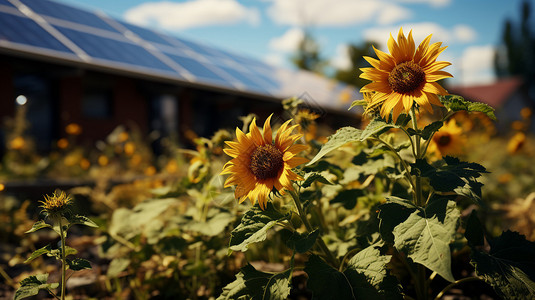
pixel 525 113
pixel 129 148
pixel 73 129
pixel 149 171
pixel 2 187
pixel 63 143
pixel 103 160
pixel 448 140
pixel 516 142
pixel 17 143
pixel 84 163
pixel 123 136
pixel 260 164
pixel 57 203
pixel 405 76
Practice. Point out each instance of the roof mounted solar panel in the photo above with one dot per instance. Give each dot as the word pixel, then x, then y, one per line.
pixel 26 32
pixel 50 29
pixel 114 51
pixel 67 13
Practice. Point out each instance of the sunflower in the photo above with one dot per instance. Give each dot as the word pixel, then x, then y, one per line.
pixel 405 76
pixel 448 140
pixel 516 142
pixel 56 204
pixel 260 164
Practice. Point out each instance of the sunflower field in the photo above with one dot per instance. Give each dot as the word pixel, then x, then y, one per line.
pixel 425 200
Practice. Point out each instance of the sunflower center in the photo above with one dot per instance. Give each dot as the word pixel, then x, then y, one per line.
pixel 406 77
pixel 266 162
pixel 444 140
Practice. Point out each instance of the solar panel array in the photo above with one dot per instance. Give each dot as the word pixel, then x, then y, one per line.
pixel 51 29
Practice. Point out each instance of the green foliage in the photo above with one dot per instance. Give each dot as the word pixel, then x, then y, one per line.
pixel 458 103
pixel 452 175
pixel 314 177
pixel 81 220
pixel 348 198
pixel 78 264
pixel 428 130
pixel 474 232
pixel 254 226
pixel 45 250
pixel 30 286
pixel 426 234
pixel 302 242
pixel 369 276
pixel 39 225
pixel 326 282
pixel 509 266
pixel 348 134
pixel 256 285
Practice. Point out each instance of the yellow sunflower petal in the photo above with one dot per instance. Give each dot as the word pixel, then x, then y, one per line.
pixel 268 134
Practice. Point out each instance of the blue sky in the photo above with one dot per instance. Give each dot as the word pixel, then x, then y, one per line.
pixel 270 29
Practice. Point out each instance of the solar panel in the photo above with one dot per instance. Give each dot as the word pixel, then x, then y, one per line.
pixel 113 50
pixel 146 34
pixel 68 13
pixel 21 30
pixel 107 41
pixel 5 2
pixel 200 71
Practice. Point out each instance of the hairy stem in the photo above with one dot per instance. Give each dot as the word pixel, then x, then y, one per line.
pixel 444 290
pixel 319 241
pixel 403 162
pixel 63 259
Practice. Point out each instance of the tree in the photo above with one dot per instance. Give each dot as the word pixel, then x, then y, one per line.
pixel 516 56
pixel 351 74
pixel 308 55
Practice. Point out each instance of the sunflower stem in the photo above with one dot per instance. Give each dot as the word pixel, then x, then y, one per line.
pixel 468 279
pixel 319 241
pixel 403 162
pixel 63 258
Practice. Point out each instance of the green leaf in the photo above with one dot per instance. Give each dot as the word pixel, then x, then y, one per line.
pixel 117 265
pixel 509 266
pixel 312 177
pixel 256 285
pixel 302 242
pixel 254 226
pixel 81 220
pixel 38 225
pixel 216 221
pixel 391 214
pixel 30 286
pixel 458 103
pixel 341 137
pixel 474 232
pixel 45 250
pixel 349 134
pixel 430 129
pixel 426 234
pixel 236 290
pixel 326 282
pixel 452 175
pixel 78 264
pixel 348 198
pixel 368 275
pixel 361 102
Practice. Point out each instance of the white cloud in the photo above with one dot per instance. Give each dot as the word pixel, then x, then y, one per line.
pixel 458 34
pixel 435 3
pixel 341 61
pixel 392 14
pixel 340 13
pixel 464 33
pixel 195 13
pixel 288 42
pixel 477 65
pixel 275 59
